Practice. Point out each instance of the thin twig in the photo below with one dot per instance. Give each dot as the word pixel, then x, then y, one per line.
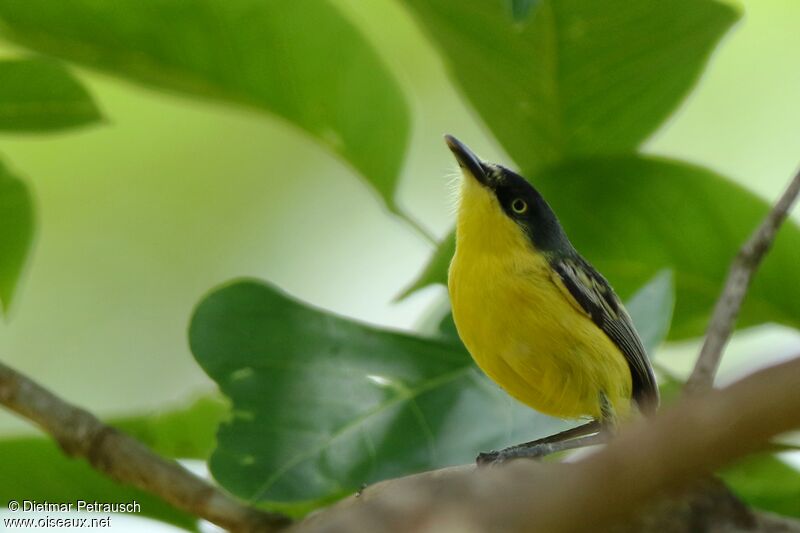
pixel 655 460
pixel 81 434
pixel 739 278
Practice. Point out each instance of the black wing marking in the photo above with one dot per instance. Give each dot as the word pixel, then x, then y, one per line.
pixel 596 297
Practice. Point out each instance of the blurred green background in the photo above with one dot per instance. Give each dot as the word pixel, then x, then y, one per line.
pixel 142 214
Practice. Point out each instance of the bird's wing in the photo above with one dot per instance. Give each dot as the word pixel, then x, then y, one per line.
pixel 594 296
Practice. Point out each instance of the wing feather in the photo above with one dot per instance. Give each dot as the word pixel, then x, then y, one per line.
pixel 597 299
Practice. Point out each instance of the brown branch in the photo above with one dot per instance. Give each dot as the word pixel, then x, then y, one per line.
pixel 81 434
pixel 739 277
pixel 653 459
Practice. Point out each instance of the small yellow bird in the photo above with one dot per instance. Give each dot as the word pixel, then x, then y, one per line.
pixel 535 315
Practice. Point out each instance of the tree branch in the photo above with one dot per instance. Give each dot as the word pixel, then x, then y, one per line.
pixel 652 460
pixel 81 434
pixel 739 277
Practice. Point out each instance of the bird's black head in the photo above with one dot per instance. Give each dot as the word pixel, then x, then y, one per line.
pixel 517 199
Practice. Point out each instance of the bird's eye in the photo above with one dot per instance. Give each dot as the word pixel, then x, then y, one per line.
pixel 519 206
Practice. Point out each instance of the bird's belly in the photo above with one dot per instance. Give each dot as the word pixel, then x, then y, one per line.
pixel 531 340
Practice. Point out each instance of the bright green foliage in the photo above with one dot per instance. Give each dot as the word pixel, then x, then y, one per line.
pixel 300 60
pixel 435 271
pixel 36 468
pixel 664 214
pixel 16 233
pixel 188 433
pixel 322 404
pixel 575 77
pixel 766 482
pixel 38 95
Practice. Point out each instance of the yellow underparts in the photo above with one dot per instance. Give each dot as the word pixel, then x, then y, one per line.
pixel 522 328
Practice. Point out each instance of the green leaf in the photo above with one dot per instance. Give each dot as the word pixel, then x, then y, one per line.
pixel 40 95
pixel 37 468
pixel 186 433
pixel 435 271
pixel 651 310
pixel 766 482
pixel 632 216
pixel 576 77
pixel 521 8
pixel 16 233
pixel 447 327
pixel 670 388
pixel 300 60
pixel 322 404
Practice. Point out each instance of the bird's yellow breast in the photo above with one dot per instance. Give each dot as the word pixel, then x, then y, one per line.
pixel 522 328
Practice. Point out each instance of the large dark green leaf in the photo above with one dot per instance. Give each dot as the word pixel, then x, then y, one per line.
pixel 39 95
pixel 766 482
pixel 300 60
pixel 574 77
pixel 632 216
pixel 322 404
pixel 35 467
pixel 16 233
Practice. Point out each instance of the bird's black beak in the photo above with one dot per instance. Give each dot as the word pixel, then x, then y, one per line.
pixel 468 160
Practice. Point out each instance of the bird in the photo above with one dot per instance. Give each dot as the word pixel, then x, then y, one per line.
pixel 536 317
